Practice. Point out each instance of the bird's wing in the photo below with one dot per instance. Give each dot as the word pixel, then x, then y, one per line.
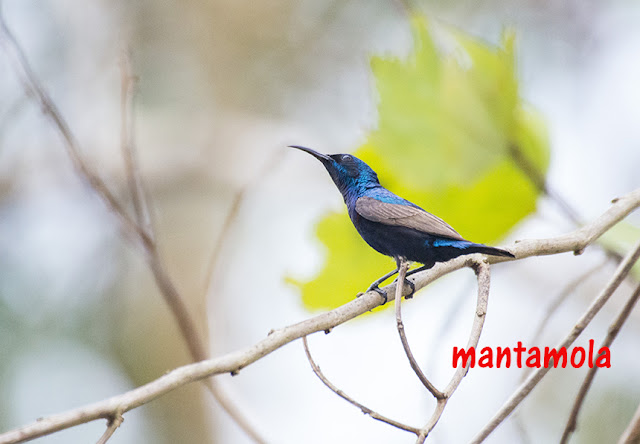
pixel 405 216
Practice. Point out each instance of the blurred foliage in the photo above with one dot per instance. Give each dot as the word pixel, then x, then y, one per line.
pixel 446 123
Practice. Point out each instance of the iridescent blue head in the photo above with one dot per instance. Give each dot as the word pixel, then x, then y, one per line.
pixel 351 175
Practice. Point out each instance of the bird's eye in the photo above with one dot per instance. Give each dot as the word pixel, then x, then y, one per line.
pixel 346 157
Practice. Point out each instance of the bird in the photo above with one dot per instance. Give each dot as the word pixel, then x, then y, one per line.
pixel 392 225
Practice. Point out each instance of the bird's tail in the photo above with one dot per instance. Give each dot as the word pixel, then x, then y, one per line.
pixel 485 249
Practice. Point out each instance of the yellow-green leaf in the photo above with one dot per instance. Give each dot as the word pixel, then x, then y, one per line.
pixel 447 126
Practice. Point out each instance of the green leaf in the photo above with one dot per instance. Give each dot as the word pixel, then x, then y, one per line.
pixel 446 126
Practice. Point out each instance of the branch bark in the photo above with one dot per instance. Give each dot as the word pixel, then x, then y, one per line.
pixel 614 329
pixel 523 391
pixel 366 410
pixel 481 269
pixel 112 426
pixel 402 272
pixel 235 361
pixel 139 231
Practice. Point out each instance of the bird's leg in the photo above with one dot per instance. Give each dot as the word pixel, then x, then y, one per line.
pixel 399 261
pixel 374 285
pixel 410 283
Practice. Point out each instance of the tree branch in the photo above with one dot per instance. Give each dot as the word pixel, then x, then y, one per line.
pixel 114 407
pixel 33 88
pixel 569 288
pixel 538 179
pixel 483 275
pixel 614 329
pixel 232 214
pixel 112 425
pixel 402 272
pixel 235 361
pixel 141 232
pixel 128 83
pixel 366 410
pixel 525 388
pixel 482 271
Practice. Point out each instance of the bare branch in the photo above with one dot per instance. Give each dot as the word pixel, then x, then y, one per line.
pixel 570 288
pixel 114 407
pixel 223 399
pixel 366 410
pixel 402 272
pixel 32 87
pixel 525 388
pixel 482 272
pixel 235 361
pixel 232 214
pixel 140 232
pixel 112 425
pixel 131 228
pixel 484 277
pixel 576 241
pixel 128 83
pixel 538 179
pixel 614 329
pixel 481 268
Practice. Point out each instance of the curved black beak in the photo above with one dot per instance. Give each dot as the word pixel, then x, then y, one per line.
pixel 321 157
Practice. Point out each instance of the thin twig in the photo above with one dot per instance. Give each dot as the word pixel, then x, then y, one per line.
pixel 190 373
pixel 525 388
pixel 232 215
pixel 614 329
pixel 570 288
pixel 223 399
pixel 235 361
pixel 112 425
pixel 631 434
pixel 128 83
pixel 33 88
pixel 172 296
pixel 165 284
pixel 366 410
pixel 402 272
pixel 133 230
pixel 483 275
pixel 538 179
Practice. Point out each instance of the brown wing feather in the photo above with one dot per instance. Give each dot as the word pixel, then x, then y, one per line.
pixel 403 215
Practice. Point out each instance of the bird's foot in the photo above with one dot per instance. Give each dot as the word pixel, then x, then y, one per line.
pixel 380 291
pixel 413 288
pixel 411 285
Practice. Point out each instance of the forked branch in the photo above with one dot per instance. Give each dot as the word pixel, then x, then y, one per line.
pixel 534 378
pixel 235 361
pixel 614 329
pixel 366 410
pixel 138 230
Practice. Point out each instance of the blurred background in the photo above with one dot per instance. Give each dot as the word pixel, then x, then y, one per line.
pixel 223 87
